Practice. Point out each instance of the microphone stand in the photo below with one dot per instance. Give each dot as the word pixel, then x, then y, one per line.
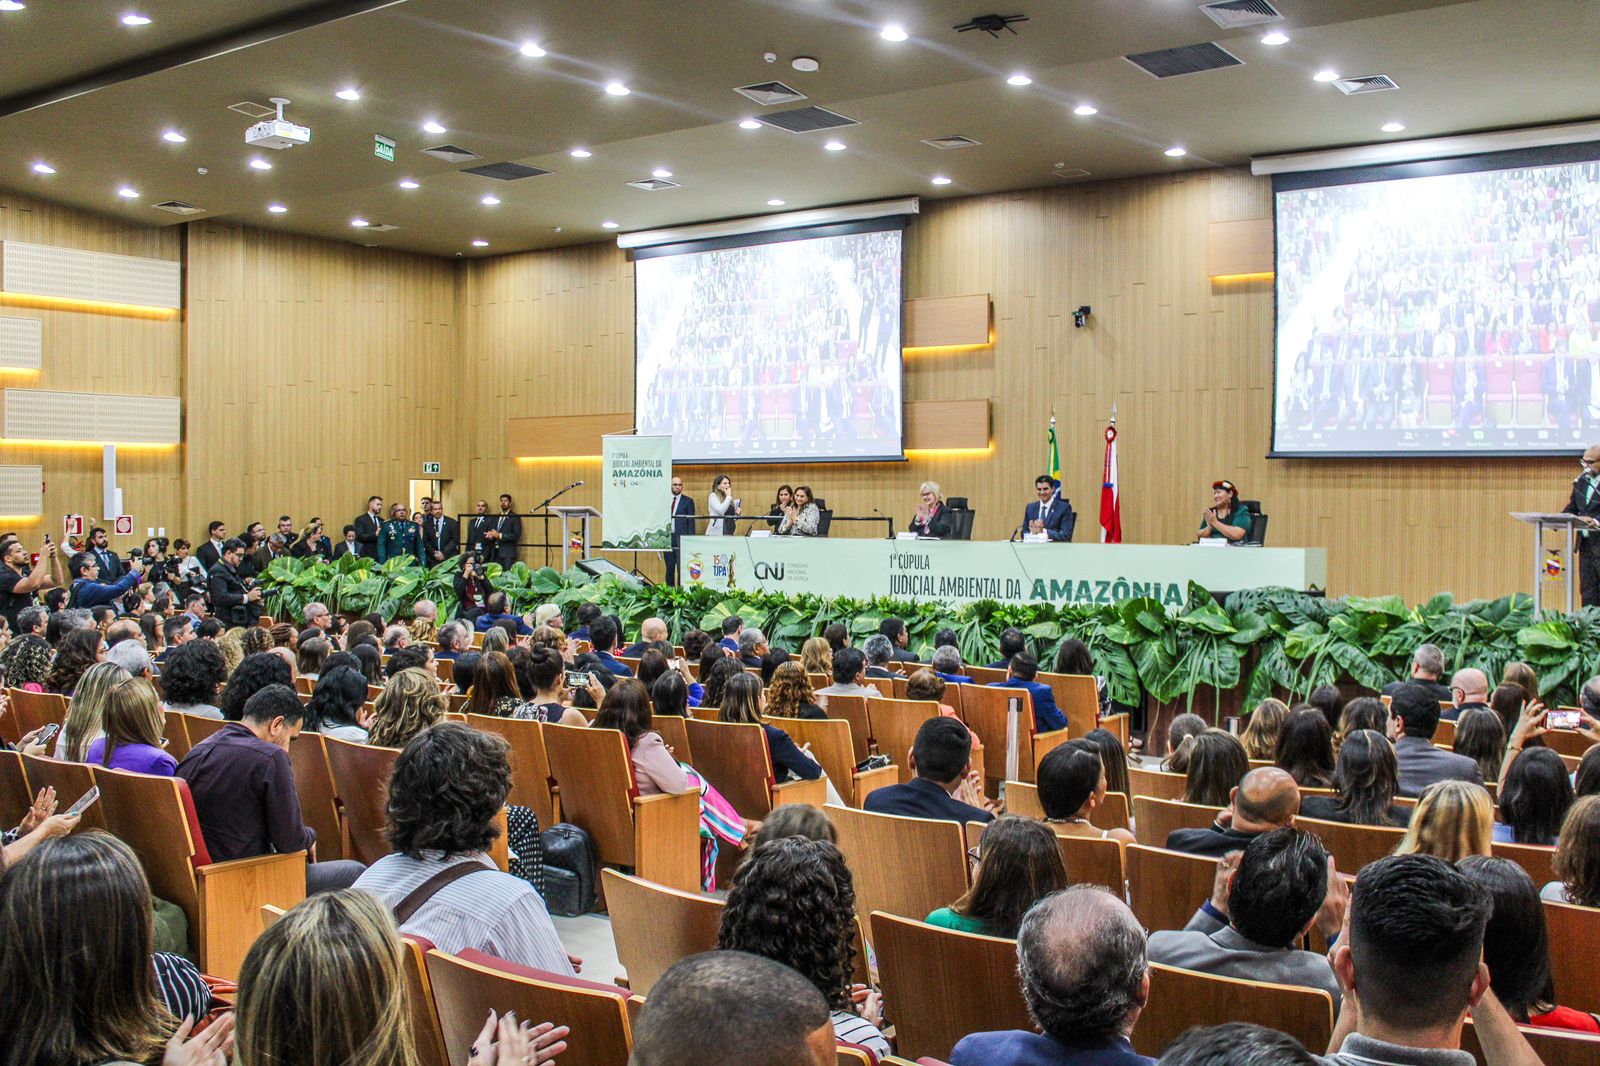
pixel 546 516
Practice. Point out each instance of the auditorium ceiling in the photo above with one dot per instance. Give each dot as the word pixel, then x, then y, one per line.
pixel 91 98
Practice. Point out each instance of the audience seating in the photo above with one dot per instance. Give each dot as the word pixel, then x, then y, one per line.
pixel 1574 947
pixel 1156 818
pixel 1078 699
pixel 940 985
pixel 175 731
pixel 834 748
pixel 15 798
pixel 903 866
pixel 305 686
pixel 852 709
pixel 734 757
pixel 1445 735
pixel 882 684
pixel 657 836
pixel 988 713
pixel 70 780
pixel 530 766
pixel 986 675
pixel 1183 998
pixel 655 926
pixel 319 798
pixel 1555 1047
pixel 1353 846
pixel 426 1031
pixel 1089 860
pixel 1567 741
pixel 156 818
pixel 894 728
pixel 467 986
pixel 361 781
pixel 1165 888
pixel 1537 859
pixel 201 729
pixel 675 735
pixel 1157 783
pixel 1023 798
pixel 35 710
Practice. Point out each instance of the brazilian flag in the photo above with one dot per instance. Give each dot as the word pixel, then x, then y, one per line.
pixel 1052 459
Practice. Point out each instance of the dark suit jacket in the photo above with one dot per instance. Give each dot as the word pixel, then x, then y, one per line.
pixel 367 528
pixel 610 662
pixel 939 523
pixel 1015 1047
pixel 312 546
pixel 442 535
pixel 1451 713
pixel 1046 715
pixel 1422 764
pixel 878 671
pixel 111 567
pixel 228 596
pixel 342 549
pixel 921 798
pixel 1209 841
pixel 1576 504
pixel 475 528
pixel 208 555
pixel 682 515
pixel 505 548
pixel 1058 524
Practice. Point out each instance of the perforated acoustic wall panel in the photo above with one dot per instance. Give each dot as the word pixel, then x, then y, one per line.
pixel 21 491
pixel 34 414
pixel 21 344
pixel 47 270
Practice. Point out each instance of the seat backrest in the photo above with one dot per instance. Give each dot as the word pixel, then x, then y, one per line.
pixel 1157 783
pixel 1445 735
pixel 446 669
pixel 35 710
pixel 824 521
pixel 201 728
pixel 733 756
pixel 884 685
pixel 305 685
pixel 361 779
pixel 425 1030
pixel 530 766
pixel 895 724
pixel 15 798
pixel 905 866
pixel 831 745
pixel 1564 741
pixel 1092 861
pixel 985 675
pixel 1554 1047
pixel 319 798
pixel 1258 529
pixel 151 815
pixel 1113 813
pixel 70 780
pixel 1353 846
pixel 1078 698
pixel 655 926
pixel 939 985
pixel 1183 998
pixel 594 780
pixel 467 986
pixel 1156 818
pixel 852 709
pixel 675 735
pixel 1165 888
pixel 1575 943
pixel 1538 860
pixel 1023 798
pixel 988 713
pixel 175 731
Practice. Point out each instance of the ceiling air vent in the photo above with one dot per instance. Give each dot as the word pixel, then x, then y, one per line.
pixel 505 171
pixel 178 207
pixel 1371 83
pixel 955 140
pixel 1070 173
pixel 1234 14
pixel 251 108
pixel 655 184
pixel 806 120
pixel 379 227
pixel 1189 59
pixel 451 153
pixel 770 93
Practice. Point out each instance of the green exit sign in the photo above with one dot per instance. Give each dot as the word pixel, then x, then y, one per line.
pixel 430 468
pixel 383 147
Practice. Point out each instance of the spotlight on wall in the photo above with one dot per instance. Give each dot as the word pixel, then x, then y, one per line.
pixel 1080 317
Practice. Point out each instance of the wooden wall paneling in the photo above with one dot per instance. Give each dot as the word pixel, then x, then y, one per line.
pixel 1239 246
pixel 947 424
pixel 948 321
pixel 563 435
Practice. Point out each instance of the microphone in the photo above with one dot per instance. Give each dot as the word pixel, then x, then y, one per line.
pixel 1015 533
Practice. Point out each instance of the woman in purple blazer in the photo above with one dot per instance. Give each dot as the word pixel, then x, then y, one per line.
pixel 133 724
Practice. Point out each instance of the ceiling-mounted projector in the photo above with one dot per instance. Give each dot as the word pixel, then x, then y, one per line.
pixel 277 132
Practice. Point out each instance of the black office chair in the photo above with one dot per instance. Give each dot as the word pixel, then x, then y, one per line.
pixel 961 516
pixel 1258 524
pixel 824 520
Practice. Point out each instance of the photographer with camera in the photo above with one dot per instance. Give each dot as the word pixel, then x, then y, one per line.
pixel 19 586
pixel 233 600
pixel 156 566
pixel 472 587
pixel 87 588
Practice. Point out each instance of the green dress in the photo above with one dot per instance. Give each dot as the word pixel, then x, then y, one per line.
pixel 1240 518
pixel 946 918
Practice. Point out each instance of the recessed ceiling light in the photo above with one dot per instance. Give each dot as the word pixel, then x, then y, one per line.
pixel 1394 127
pixel 581 153
pixel 128 193
pixel 1177 150
pixel 616 88
pixel 433 127
pixel 42 167
pixel 774 202
pixel 661 172
pixel 174 137
pixel 749 124
pixel 407 183
pixel 134 18
pixel 1325 75
pixel 835 146
pixel 1276 37
pixel 348 94
pixel 893 32
pixel 940 179
pixel 531 49
pixel 12 5
pixel 608 224
pixel 359 223
pixel 276 209
pixel 480 243
pixel 1086 110
pixel 1019 78
pixel 490 200
pixel 260 164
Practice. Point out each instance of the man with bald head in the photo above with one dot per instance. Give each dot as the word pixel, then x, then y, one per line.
pixel 1585 503
pixel 651 630
pixel 1085 974
pixel 1265 799
pixel 1469 691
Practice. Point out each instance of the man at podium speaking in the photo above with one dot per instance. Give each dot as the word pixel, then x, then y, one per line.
pixel 1585 503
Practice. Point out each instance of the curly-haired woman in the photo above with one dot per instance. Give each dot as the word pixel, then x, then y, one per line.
pixel 790 695
pixel 794 902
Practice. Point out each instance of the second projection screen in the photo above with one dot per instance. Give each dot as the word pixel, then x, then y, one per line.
pixel 782 351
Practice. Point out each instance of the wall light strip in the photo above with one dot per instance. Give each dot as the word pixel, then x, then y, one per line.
pixel 531 459
pixel 950 453
pixel 100 307
pixel 1264 275
pixel 30 442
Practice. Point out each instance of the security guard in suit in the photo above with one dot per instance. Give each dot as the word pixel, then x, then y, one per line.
pixel 1585 503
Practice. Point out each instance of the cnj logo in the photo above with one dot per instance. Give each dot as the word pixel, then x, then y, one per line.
pixel 768 571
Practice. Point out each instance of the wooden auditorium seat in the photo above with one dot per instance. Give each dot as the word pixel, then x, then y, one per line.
pixel 1078 699
pixel 175 731
pixel 1088 860
pixel 655 926
pixel 940 985
pixel 735 759
pixel 1353 846
pixel 1537 859
pixel 155 817
pixel 1574 947
pixel 883 684
pixel 988 712
pixel 361 781
pixel 1156 818
pixel 833 747
pixel 426 1031
pixel 201 729
pixel 852 709
pixel 319 798
pixel 675 735
pixel 530 766
pixel 1023 798
pixel 15 797
pixel 1566 741
pixel 1157 783
pixel 35 710
pixel 894 727
pixel 904 866
pixel 1554 1047
pixel 1180 999
pixel 657 836
pixel 70 780
pixel 1165 888
pixel 305 686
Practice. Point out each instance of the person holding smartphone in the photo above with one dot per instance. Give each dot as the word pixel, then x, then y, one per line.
pixel 20 584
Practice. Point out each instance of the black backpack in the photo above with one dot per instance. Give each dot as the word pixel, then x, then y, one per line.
pixel 571 871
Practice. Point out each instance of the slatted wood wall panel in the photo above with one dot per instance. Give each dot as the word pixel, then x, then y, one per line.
pixel 85 351
pixel 319 373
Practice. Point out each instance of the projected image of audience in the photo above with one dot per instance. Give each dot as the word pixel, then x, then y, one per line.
pixel 1457 311
pixel 784 350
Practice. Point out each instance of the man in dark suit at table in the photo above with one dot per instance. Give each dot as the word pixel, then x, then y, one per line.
pixel 941 757
pixel 1020 674
pixel 682 526
pixel 1049 514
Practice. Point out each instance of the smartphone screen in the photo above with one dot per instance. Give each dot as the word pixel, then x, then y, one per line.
pixel 1561 720
pixel 577 679
pixel 84 801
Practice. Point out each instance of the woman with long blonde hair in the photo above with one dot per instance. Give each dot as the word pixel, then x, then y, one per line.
pixel 817 656
pixel 409 703
pixel 1260 736
pixel 1453 819
pixel 86 711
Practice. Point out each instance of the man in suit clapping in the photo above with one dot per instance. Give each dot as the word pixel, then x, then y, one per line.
pixel 1050 514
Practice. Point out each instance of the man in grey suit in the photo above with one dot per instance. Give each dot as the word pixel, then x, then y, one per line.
pixel 1422 764
pixel 1265 899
